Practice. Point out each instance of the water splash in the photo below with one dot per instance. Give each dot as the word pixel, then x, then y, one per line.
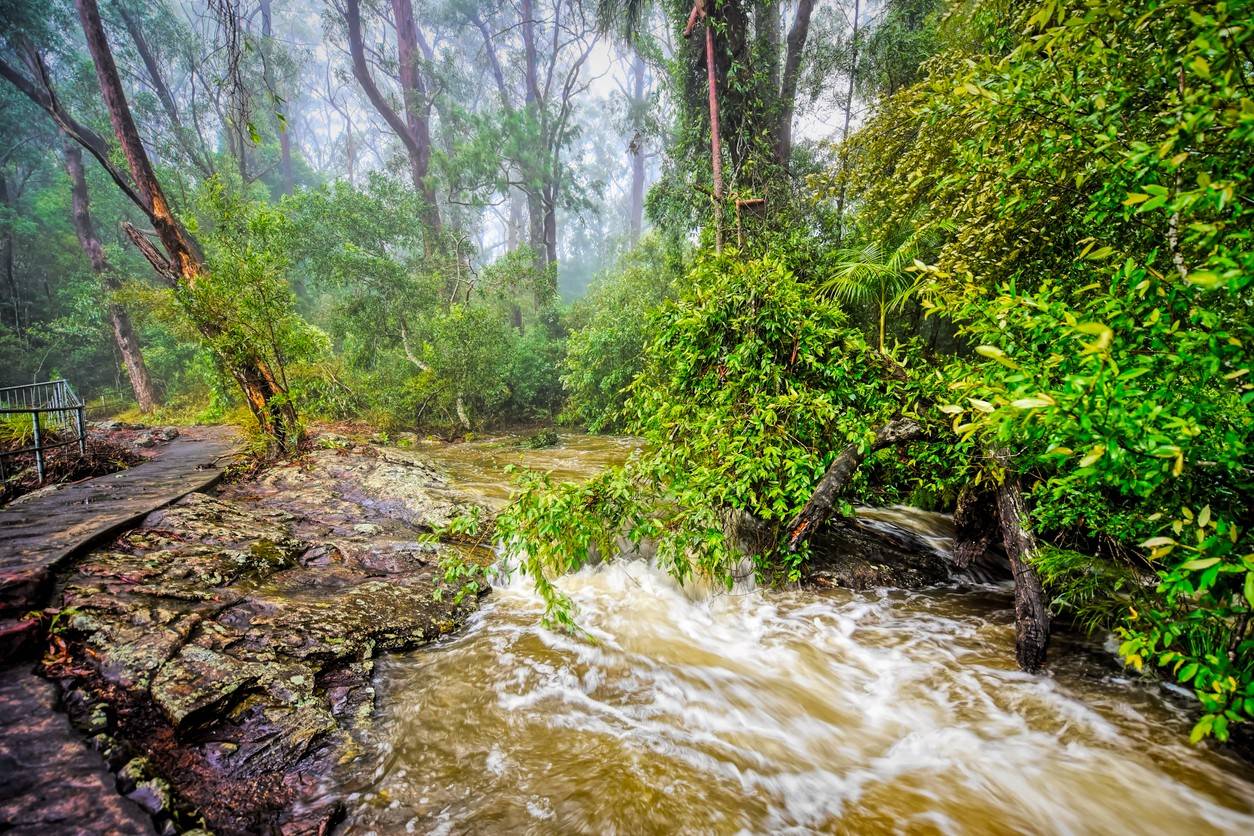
pixel 721 713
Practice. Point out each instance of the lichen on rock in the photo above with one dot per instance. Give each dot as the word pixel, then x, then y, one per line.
pixel 233 636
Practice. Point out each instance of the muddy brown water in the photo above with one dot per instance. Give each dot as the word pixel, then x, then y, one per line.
pixel 770 711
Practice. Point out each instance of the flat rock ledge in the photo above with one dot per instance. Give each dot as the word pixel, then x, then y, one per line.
pixel 220 655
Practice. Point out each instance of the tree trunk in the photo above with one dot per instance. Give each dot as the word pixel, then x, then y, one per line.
pixel 123 332
pixel 7 245
pixel 844 133
pixel 417 108
pixel 153 67
pixel 517 219
pixel 819 508
pixel 635 209
pixel 184 256
pixel 550 227
pixel 1031 609
pixel 535 228
pixel 797 36
pixel 975 525
pixel 285 137
pixel 413 131
pixel 182 262
pixel 716 146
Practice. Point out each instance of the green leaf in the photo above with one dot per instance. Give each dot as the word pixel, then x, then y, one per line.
pixel 1094 453
pixel 992 352
pixel 1204 278
pixel 1199 564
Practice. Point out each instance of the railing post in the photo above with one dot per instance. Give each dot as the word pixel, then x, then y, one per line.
pixel 82 435
pixel 39 447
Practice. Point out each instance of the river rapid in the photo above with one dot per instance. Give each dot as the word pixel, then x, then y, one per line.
pixel 691 710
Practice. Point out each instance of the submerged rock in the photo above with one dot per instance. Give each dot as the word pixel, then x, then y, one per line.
pixel 890 547
pixel 232 637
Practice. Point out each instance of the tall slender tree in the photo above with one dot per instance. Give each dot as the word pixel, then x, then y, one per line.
pixel 414 128
pixel 124 336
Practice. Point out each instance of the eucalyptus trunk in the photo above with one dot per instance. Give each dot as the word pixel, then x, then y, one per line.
pixel 123 331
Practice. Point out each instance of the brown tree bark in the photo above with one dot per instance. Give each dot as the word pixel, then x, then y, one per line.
pixel 182 262
pixel 699 13
pixel 1031 609
pixel 839 472
pixel 123 331
pixel 184 256
pixel 414 129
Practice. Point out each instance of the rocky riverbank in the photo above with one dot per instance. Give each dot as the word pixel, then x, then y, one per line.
pixel 220 655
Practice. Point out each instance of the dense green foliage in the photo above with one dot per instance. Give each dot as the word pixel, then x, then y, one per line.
pixel 605 350
pixel 1079 173
pixel 1096 169
pixel 749 385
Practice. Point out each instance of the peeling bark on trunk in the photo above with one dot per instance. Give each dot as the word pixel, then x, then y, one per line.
pixel 123 332
pixel 184 255
pixel 182 262
pixel 819 508
pixel 1031 610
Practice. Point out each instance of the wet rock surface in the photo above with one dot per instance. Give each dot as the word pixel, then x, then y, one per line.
pixel 228 642
pixel 876 549
pixel 53 782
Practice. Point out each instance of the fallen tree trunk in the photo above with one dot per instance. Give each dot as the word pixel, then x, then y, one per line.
pixel 819 508
pixel 1031 610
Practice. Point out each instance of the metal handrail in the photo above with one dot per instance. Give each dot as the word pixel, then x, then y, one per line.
pixel 55 399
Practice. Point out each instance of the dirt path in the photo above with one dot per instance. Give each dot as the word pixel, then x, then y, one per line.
pixel 38 534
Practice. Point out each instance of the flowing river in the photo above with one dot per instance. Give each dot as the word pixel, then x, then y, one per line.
pixel 767 711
